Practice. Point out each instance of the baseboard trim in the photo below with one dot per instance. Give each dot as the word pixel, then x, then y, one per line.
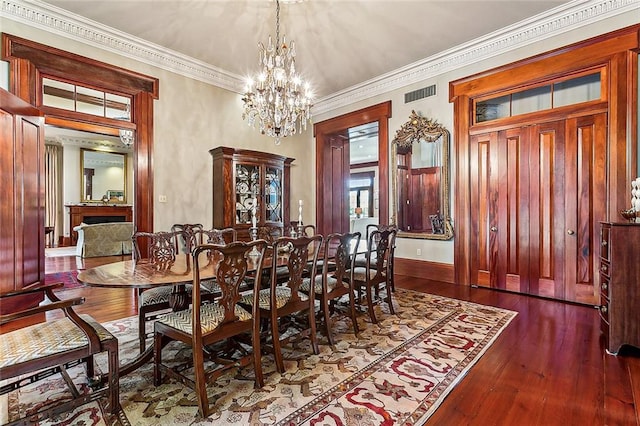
pixel 424 269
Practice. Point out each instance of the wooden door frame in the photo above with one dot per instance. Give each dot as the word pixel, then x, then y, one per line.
pixel 29 60
pixel 322 131
pixel 617 54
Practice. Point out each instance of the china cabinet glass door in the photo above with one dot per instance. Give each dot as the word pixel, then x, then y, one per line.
pixel 273 194
pixel 247 192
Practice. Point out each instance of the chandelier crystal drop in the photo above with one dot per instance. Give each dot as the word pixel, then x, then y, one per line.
pixel 277 98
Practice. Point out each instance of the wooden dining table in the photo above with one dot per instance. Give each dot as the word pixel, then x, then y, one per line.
pixel 141 274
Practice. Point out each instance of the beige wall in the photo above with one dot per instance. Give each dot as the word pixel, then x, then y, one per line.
pixel 192 117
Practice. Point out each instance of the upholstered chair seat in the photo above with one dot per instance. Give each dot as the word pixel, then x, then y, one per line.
pixel 46 339
pixel 283 295
pixel 332 284
pixel 211 316
pixel 31 355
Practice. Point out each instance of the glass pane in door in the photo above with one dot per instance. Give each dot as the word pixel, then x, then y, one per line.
pixel 273 194
pixel 247 177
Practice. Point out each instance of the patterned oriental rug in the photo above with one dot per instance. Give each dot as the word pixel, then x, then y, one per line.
pixel 397 372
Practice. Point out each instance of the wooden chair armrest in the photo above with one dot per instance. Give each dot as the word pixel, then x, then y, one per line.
pixel 30 290
pixel 60 304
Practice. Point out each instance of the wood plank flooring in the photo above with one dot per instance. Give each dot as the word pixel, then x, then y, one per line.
pixel 549 366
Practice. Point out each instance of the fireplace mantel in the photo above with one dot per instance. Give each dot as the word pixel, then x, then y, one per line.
pixel 96 213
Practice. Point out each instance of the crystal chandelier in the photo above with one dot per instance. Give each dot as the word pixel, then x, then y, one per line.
pixel 277 97
pixel 126 135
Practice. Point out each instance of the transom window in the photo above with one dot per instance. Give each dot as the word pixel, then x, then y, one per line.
pixel 571 91
pixel 74 97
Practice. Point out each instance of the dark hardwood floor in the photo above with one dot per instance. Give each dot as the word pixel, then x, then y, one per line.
pixel 548 367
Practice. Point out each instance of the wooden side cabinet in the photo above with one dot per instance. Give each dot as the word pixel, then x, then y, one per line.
pixel 620 284
pixel 247 184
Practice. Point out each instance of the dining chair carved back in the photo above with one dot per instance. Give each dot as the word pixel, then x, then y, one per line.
pixel 32 354
pixel 161 251
pixel 270 233
pixel 209 288
pixel 369 279
pixel 206 323
pixel 189 235
pixel 335 278
pixel 283 297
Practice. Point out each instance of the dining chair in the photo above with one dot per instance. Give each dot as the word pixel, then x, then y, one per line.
pixel 161 251
pixel 270 233
pixel 204 324
pixel 34 353
pixel 376 272
pixel 209 287
pixel 283 298
pixel 188 240
pixel 334 281
pixel 389 261
pixel 308 230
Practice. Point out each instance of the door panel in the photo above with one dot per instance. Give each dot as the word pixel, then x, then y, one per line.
pixel 500 198
pixel 480 180
pixel 535 197
pixel 335 185
pixel 585 189
pixel 514 211
pixel 546 219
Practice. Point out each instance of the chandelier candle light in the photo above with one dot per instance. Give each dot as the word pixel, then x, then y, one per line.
pixel 277 97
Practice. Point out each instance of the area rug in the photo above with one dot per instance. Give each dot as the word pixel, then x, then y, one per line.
pixel 396 372
pixel 68 278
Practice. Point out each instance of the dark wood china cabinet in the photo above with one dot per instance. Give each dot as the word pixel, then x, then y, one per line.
pixel 249 187
pixel 620 284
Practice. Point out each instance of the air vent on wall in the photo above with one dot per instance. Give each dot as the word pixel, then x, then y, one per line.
pixel 420 93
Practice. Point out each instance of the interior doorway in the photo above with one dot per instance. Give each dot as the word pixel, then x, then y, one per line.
pixel 333 165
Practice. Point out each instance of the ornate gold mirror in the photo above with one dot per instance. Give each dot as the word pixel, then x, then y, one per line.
pixel 103 176
pixel 420 180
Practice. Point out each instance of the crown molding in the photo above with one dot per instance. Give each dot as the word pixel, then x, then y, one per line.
pixel 561 19
pixel 64 23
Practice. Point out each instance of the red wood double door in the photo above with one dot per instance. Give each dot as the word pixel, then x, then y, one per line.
pixel 538 194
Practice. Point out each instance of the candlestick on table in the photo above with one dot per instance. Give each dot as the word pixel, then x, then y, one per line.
pixel 300 213
pixel 253 218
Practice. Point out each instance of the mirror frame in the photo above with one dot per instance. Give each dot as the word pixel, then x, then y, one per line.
pixel 124 175
pixel 415 130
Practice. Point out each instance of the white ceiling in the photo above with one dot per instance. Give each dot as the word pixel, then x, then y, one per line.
pixel 340 43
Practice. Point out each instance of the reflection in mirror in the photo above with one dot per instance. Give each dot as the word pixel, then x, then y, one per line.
pixel 103 176
pixel 420 180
